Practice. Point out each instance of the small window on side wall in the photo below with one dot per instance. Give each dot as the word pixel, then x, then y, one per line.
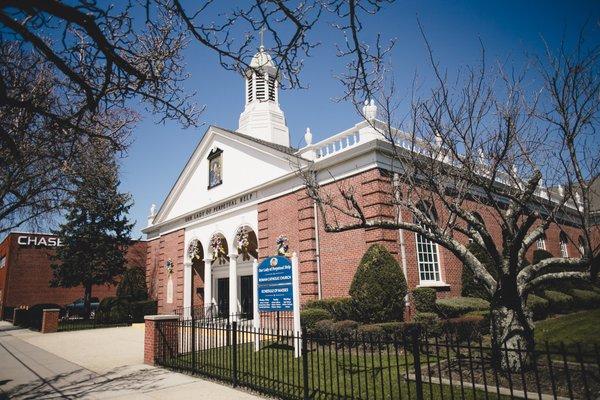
pixel 215 168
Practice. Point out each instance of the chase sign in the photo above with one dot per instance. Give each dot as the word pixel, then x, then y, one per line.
pixel 275 289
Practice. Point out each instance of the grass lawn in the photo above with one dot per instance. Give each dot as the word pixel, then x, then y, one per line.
pixel 580 327
pixel 332 373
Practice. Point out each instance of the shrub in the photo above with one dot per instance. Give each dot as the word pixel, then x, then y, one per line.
pixel 585 298
pixel 309 317
pixel 378 288
pixel 372 331
pixel 472 287
pixel 539 255
pixel 457 306
pixel 486 315
pixel 559 302
pixel 429 322
pixel 392 328
pixel 339 307
pixel 35 314
pixel 140 309
pixel 345 328
pixel 465 329
pixel 424 299
pixel 112 310
pixel 538 306
pixel 133 285
pixel 323 328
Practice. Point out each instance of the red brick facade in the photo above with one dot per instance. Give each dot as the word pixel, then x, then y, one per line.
pixel 340 253
pixel 25 277
pixel 293 215
pixel 158 251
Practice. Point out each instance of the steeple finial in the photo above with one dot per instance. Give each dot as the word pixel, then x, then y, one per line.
pixel 261 32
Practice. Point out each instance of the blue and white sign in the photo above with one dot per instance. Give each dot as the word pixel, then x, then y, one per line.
pixel 275 288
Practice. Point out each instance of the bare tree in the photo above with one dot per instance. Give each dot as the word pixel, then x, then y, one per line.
pixel 95 59
pixel 483 144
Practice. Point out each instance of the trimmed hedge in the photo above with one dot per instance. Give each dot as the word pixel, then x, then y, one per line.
pixel 323 328
pixel 378 288
pixel 538 306
pixel 309 317
pixel 429 322
pixel 345 328
pixel 466 329
pixel 457 306
pixel 559 302
pixel 424 299
pixel 585 298
pixel 339 307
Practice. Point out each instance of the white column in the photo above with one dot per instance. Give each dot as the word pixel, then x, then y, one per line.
pixel 187 288
pixel 233 295
pixel 208 300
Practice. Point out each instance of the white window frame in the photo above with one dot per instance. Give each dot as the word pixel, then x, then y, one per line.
pixel 564 248
pixel 431 255
pixel 541 243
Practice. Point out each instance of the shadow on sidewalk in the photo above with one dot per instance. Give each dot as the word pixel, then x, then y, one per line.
pixel 82 383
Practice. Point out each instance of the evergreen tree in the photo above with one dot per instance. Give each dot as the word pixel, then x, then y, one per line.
pixel 378 289
pixel 96 231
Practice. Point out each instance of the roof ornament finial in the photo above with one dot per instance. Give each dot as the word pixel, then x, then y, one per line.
pixel 261 32
pixel 308 137
pixel 370 110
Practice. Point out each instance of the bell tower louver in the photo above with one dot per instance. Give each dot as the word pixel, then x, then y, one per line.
pixel 262 118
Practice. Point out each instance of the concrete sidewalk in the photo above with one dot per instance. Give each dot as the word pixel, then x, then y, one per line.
pixel 30 372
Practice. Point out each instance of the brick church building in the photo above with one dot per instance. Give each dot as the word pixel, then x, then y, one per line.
pixel 239 194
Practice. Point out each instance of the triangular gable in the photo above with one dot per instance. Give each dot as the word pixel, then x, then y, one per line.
pixel 246 163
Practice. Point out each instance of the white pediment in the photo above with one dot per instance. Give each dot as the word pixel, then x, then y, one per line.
pixel 246 163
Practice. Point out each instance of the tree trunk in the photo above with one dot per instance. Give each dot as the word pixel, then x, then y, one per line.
pixel 87 301
pixel 512 336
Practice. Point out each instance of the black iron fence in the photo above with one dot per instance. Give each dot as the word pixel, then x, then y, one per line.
pixel 77 323
pixel 362 366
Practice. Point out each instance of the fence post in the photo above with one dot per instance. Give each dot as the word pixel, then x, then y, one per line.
pixel 417 364
pixel 234 355
pixel 193 320
pixel 304 351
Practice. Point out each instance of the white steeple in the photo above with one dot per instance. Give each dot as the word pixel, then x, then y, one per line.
pixel 262 118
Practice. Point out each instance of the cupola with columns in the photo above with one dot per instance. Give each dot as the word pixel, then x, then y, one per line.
pixel 262 118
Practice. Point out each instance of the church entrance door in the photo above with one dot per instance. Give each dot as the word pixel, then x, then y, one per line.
pixel 223 297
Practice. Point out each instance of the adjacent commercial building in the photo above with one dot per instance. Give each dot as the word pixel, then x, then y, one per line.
pixel 25 272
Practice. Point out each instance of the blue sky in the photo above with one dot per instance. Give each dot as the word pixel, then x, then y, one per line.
pixel 508 29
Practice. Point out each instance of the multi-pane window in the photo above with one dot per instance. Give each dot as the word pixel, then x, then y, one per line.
pixel 428 259
pixel 2 262
pixel 541 243
pixel 564 250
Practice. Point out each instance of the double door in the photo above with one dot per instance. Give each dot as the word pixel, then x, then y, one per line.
pixel 245 296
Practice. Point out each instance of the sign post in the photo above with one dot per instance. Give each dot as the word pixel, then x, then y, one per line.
pixel 278 290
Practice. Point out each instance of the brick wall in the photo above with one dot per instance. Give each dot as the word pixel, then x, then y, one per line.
pixel 340 253
pixel 25 280
pixel 158 251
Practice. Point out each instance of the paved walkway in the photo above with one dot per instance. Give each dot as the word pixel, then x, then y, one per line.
pixel 79 365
